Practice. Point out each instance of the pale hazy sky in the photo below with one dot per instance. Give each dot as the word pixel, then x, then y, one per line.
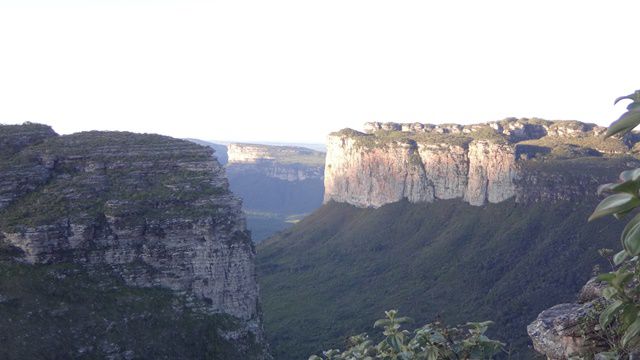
pixel 296 70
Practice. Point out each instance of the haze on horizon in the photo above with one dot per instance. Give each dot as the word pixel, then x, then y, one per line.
pixel 293 71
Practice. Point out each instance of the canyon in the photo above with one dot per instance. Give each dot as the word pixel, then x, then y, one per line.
pixel 279 185
pixel 450 223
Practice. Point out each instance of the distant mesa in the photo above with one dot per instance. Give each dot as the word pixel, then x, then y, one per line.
pixel 281 162
pixel 478 163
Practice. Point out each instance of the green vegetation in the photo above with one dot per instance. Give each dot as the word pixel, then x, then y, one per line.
pixel 385 137
pixel 14 138
pixel 618 313
pixel 264 225
pixel 66 311
pixel 290 155
pixel 582 144
pixel 573 169
pixel 342 266
pixel 620 320
pixel 429 342
pixel 95 173
pixel 525 121
pixel 269 202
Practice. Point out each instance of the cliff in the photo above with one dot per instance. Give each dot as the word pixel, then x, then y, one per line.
pixel 287 163
pixel 278 184
pixel 154 210
pixel 478 163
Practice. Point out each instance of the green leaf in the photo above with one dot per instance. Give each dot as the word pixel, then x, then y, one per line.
pixel 634 221
pixel 608 277
pixel 404 319
pixel 620 257
pixel 629 313
pixel 621 279
pixel 395 342
pixel 625 123
pixel 630 175
pixel 432 353
pixel 632 331
pixel 615 203
pixel 606 188
pixel 382 323
pixel 635 97
pixel 609 292
pixel 631 239
pixel 609 314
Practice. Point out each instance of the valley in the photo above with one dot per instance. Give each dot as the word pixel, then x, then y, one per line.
pixel 463 223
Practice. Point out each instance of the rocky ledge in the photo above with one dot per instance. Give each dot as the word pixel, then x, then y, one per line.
pixel 570 331
pixel 478 163
pixel 155 210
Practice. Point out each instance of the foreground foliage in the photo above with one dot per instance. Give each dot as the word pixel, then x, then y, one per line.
pixel 620 320
pixel 430 342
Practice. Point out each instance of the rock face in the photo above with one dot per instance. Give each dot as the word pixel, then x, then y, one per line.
pixel 287 163
pixel 157 210
pixel 557 333
pixel 478 163
pixel 569 330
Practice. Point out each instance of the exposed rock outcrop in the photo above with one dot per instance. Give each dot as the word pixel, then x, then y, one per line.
pixel 287 163
pixel 155 209
pixel 479 163
pixel 569 331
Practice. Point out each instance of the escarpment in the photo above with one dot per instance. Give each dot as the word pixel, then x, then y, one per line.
pixel 288 163
pixel 156 211
pixel 478 163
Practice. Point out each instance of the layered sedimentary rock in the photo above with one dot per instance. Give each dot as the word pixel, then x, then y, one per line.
pixel 567 330
pixel 278 184
pixel 572 330
pixel 479 163
pixel 287 163
pixel 157 210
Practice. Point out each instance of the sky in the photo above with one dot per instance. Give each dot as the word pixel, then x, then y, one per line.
pixel 293 71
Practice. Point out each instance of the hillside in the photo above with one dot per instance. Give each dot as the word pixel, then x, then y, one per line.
pixel 335 272
pixel 469 222
pixel 64 311
pixel 103 234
